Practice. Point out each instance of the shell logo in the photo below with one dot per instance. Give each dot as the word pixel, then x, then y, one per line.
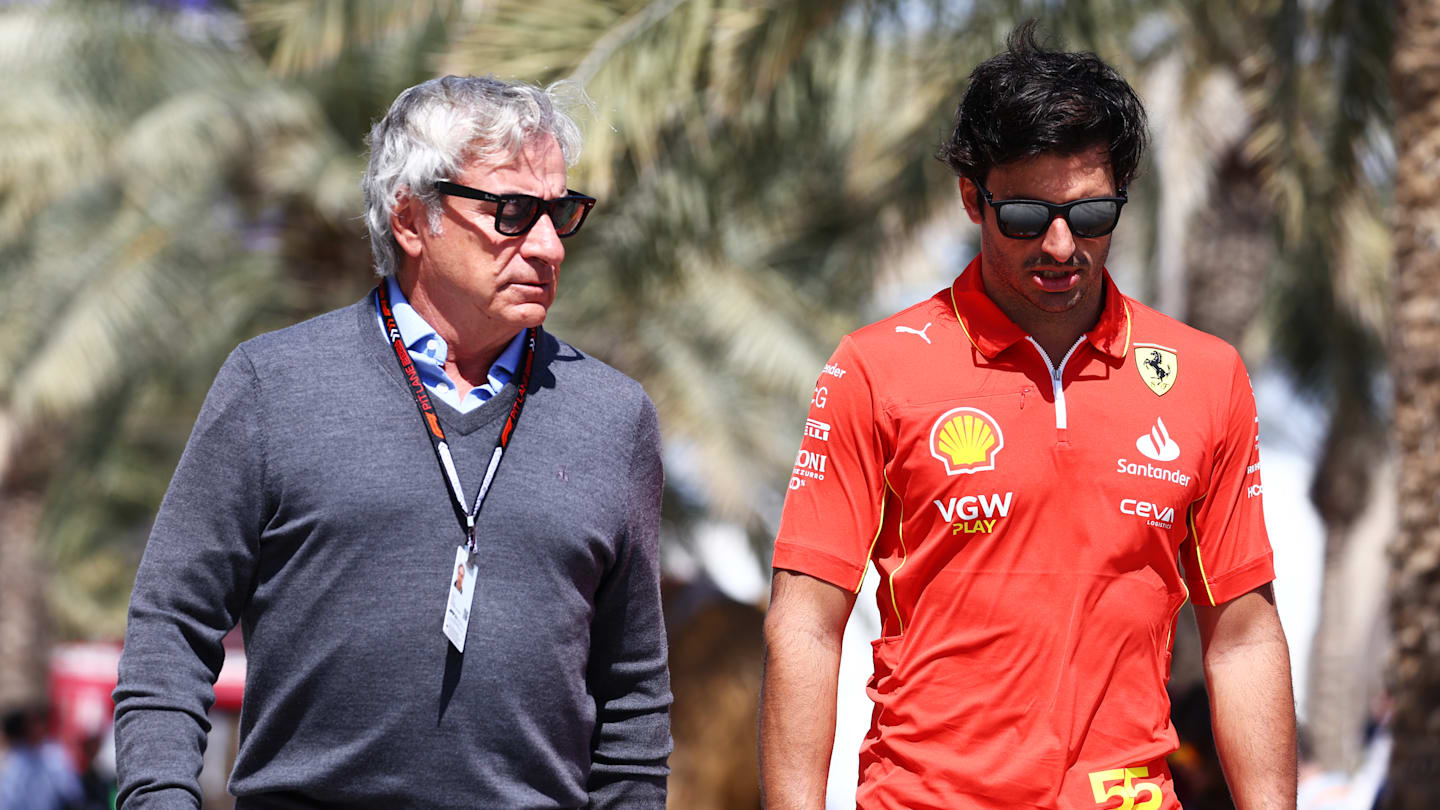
pixel 966 440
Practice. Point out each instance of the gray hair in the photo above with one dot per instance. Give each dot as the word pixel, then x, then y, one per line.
pixel 434 129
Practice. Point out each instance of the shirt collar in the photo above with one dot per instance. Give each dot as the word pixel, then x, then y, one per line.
pixel 991 331
pixel 413 328
pixel 416 333
pixel 509 358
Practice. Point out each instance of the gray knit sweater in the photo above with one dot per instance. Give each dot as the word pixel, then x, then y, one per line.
pixel 309 508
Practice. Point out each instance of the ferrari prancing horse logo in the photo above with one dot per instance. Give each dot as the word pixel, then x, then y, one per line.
pixel 1158 366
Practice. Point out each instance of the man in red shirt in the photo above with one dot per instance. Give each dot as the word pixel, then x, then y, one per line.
pixel 1028 458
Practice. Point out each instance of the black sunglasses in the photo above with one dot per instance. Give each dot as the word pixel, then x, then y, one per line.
pixel 517 213
pixel 1030 219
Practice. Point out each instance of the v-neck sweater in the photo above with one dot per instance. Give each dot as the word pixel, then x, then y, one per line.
pixel 309 508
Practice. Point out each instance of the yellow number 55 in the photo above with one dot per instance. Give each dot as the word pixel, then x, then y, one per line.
pixel 1128 791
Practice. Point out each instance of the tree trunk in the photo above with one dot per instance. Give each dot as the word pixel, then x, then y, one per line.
pixel 1349 492
pixel 1415 360
pixel 1227 261
pixel 716 654
pixel 1350 637
pixel 23 639
pixel 1224 282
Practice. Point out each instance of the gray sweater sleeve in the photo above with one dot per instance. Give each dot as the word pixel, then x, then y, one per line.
pixel 627 672
pixel 189 592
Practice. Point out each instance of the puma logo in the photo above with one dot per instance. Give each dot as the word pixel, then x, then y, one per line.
pixel 920 332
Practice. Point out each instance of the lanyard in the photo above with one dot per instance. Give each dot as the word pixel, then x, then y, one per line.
pixel 432 422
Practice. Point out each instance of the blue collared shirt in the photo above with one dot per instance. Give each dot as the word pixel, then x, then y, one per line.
pixel 38 778
pixel 429 351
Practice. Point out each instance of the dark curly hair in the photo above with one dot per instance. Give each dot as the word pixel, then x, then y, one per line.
pixel 1030 100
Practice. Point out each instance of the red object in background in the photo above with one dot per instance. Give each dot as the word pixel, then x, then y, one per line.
pixel 82 676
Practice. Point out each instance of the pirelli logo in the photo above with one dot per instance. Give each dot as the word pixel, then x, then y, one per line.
pixel 816 429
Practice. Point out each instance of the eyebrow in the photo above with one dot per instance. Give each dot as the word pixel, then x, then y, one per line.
pixel 530 194
pixel 1003 197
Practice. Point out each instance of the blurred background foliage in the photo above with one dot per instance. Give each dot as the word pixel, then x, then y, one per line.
pixel 178 176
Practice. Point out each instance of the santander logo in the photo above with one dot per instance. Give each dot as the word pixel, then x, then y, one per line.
pixel 1157 444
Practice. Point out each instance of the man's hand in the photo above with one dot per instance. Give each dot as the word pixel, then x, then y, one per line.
pixel 803 631
pixel 1252 707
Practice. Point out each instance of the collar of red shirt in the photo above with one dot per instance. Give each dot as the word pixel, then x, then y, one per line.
pixel 992 332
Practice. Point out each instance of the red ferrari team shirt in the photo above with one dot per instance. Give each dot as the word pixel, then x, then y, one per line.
pixel 1027 516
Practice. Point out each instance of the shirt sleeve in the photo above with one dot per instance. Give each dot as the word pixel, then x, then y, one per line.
pixel 61 774
pixel 189 592
pixel 1227 552
pixel 628 673
pixel 833 509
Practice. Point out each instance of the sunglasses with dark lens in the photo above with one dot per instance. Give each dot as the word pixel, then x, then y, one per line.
pixel 1030 219
pixel 517 213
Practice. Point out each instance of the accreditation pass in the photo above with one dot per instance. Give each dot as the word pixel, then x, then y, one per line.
pixel 461 595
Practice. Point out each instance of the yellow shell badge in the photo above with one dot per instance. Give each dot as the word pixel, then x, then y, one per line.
pixel 966 440
pixel 1158 366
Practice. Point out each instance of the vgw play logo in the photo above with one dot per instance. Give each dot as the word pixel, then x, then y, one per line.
pixel 975 514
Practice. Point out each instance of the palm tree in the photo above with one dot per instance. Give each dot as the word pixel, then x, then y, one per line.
pixel 1302 219
pixel 122 260
pixel 1415 359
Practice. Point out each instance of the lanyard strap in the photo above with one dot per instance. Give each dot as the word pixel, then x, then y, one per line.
pixel 432 422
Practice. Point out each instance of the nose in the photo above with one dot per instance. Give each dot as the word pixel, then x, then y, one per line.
pixel 1059 243
pixel 543 244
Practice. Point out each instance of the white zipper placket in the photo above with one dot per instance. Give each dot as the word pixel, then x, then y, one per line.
pixel 1057 374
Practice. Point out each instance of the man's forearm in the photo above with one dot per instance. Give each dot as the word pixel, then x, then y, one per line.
pixel 797 722
pixel 1252 710
pixel 803 633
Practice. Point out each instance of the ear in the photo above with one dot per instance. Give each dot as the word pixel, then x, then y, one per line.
pixel 970 195
pixel 407 219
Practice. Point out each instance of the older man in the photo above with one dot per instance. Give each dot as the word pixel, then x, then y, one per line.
pixel 1024 458
pixel 434 521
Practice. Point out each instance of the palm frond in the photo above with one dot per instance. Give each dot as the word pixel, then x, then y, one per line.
pixel 306 37
pixel 153 148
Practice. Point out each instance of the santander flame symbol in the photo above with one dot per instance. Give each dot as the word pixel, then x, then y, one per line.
pixel 1157 444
